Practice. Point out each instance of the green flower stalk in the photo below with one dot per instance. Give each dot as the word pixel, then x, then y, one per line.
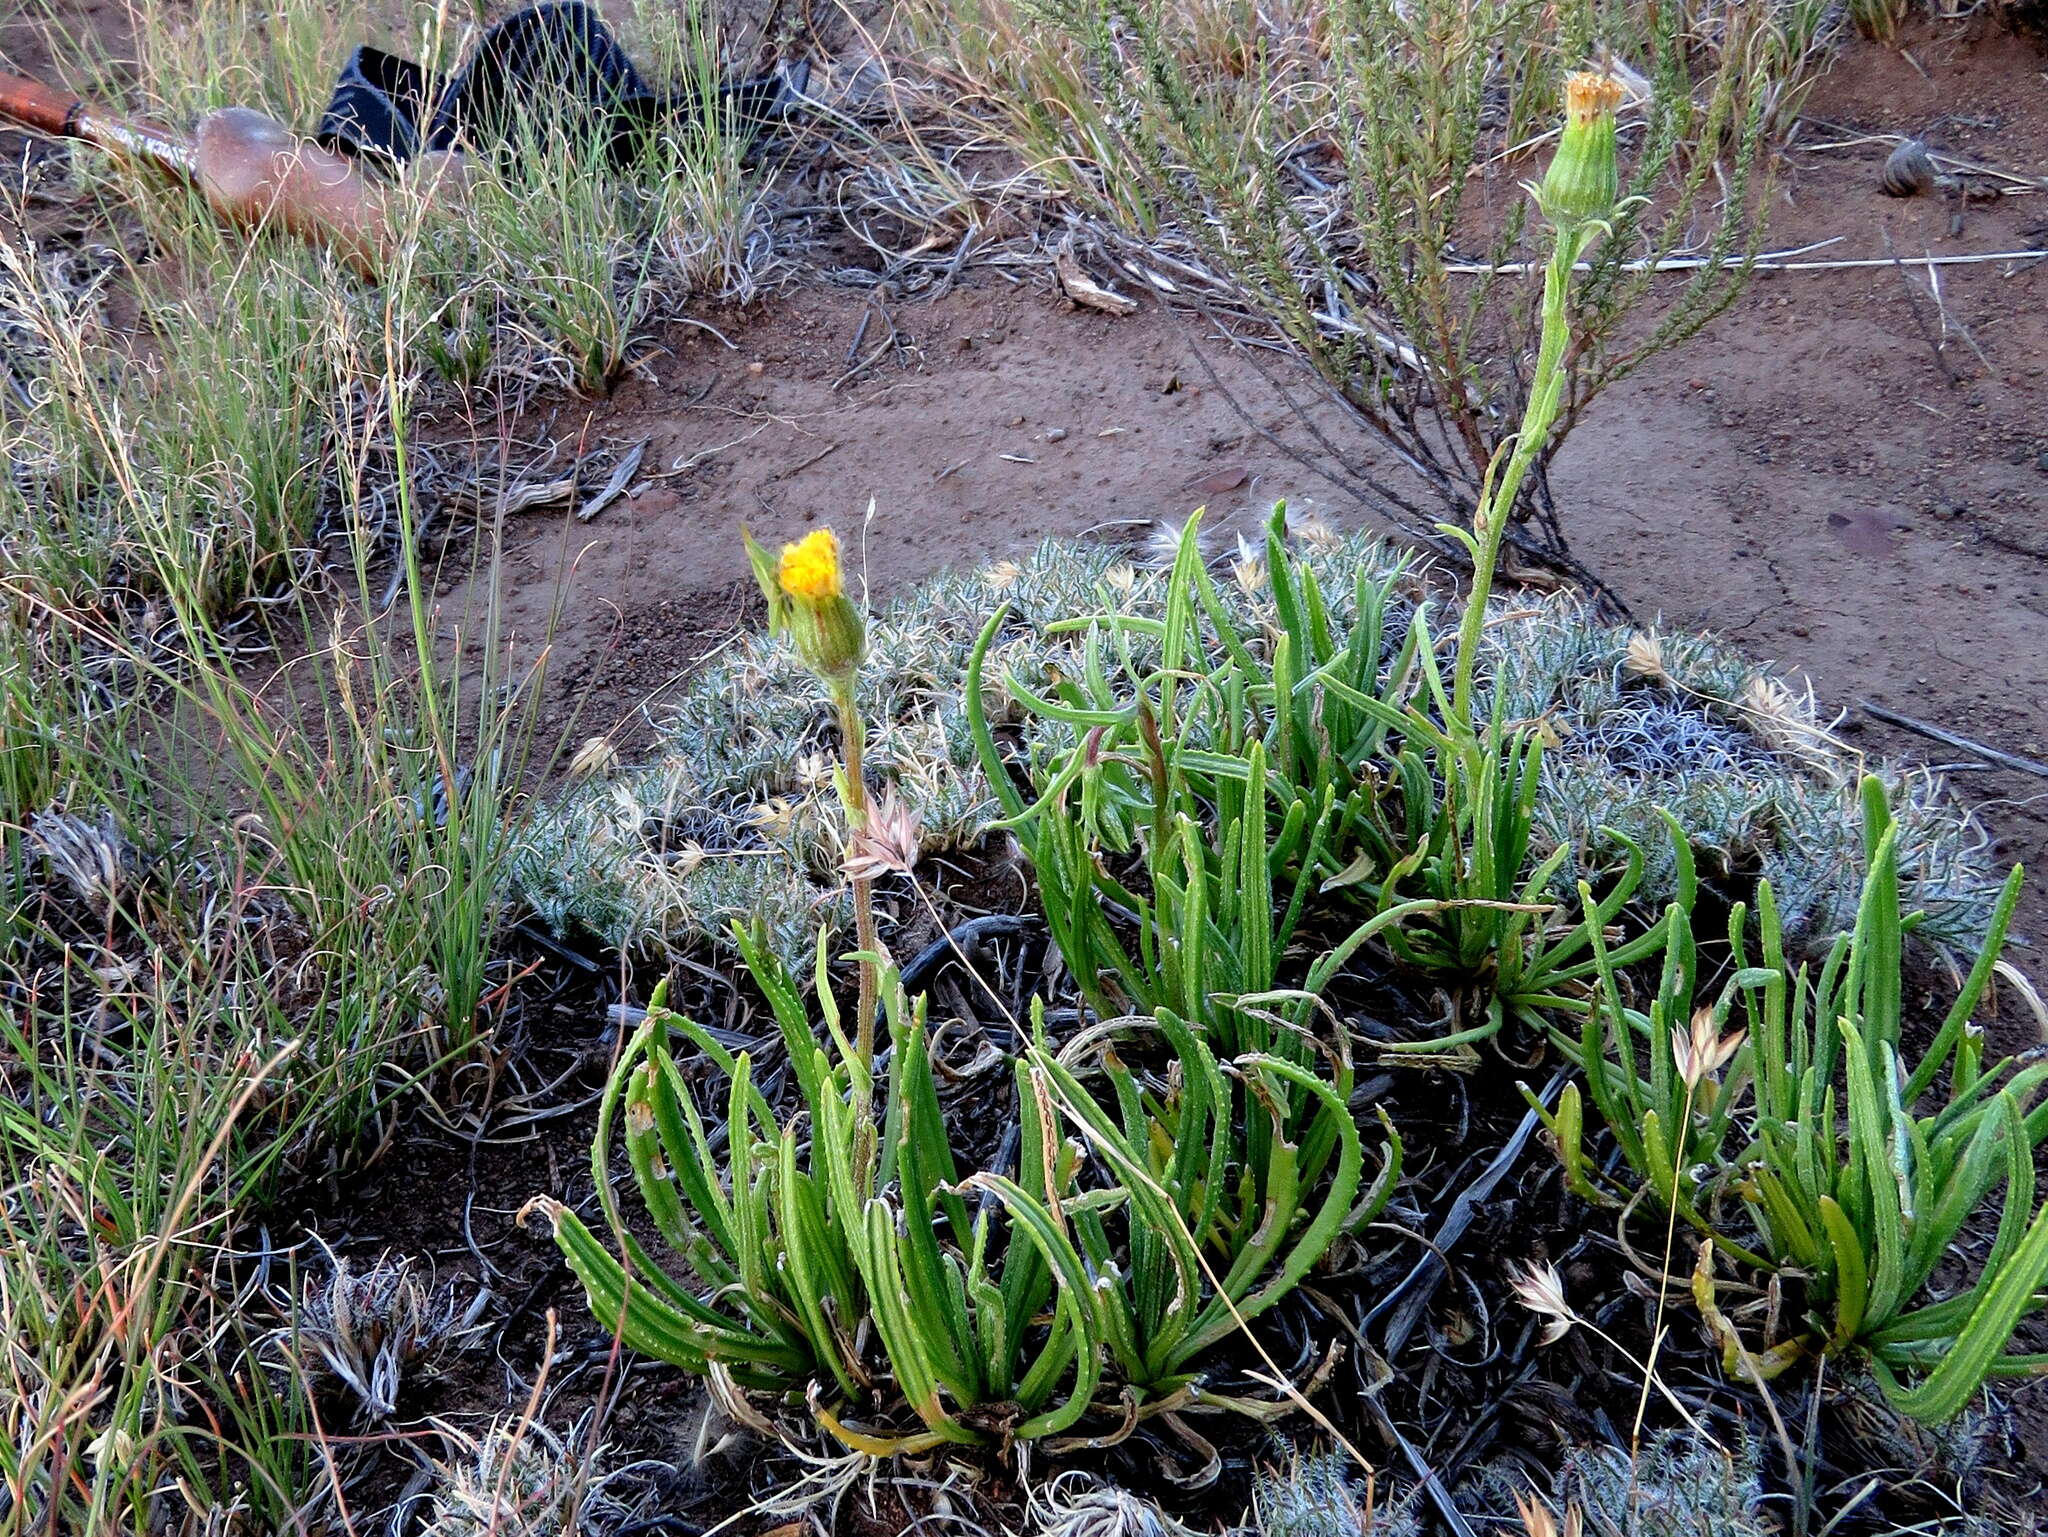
pixel 1577 197
pixel 807 604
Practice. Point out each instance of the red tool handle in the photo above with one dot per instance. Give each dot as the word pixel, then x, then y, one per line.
pixel 45 109
pixel 38 106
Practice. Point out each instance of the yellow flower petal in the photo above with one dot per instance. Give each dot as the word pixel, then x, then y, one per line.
pixel 810 568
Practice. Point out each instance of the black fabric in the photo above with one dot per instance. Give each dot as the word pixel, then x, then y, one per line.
pixel 554 66
pixel 549 67
pixel 379 105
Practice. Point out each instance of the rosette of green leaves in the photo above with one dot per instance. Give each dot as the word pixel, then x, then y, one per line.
pixel 791 1249
pixel 989 1306
pixel 1853 1165
pixel 1219 1195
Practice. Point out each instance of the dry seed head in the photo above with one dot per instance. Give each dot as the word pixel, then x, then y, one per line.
pixel 1644 657
pixel 1537 1520
pixel 1768 700
pixel 1307 524
pixel 1784 719
pixel 1591 95
pixel 595 759
pixel 1699 1050
pixel 1002 576
pixel 1540 1289
pixel 889 842
pixel 112 1451
pixel 774 816
pixel 1162 544
pixel 625 805
pixel 1248 570
pixel 1122 578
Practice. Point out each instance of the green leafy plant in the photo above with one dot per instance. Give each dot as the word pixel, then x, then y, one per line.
pixel 836 1244
pixel 1200 800
pixel 996 1302
pixel 795 1250
pixel 1211 922
pixel 1849 1163
pixel 1217 781
pixel 1218 1187
pixel 1455 830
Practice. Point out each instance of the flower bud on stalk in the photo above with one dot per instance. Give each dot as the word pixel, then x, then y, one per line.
pixel 808 602
pixel 1578 196
pixel 1583 183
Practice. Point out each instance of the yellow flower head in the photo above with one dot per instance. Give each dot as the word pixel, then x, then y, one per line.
pixel 807 603
pixel 809 570
pixel 1590 96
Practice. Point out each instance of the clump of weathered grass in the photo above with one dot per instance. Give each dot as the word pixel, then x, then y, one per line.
pixel 518 1478
pixel 1319 1494
pixel 1646 722
pixel 369 1328
pixel 1072 1504
pixel 1679 1484
pixel 243 917
pixel 246 915
pixel 734 818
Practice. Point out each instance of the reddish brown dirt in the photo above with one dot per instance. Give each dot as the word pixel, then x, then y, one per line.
pixel 1806 476
pixel 1005 420
pixel 25 35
